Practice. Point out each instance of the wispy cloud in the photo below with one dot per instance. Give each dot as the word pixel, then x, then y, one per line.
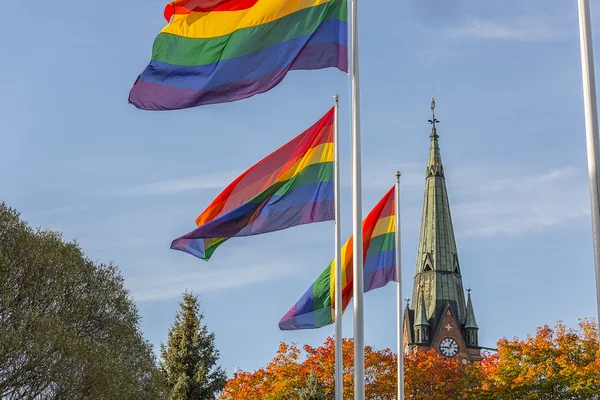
pixel 519 203
pixel 526 28
pixel 172 186
pixel 66 209
pixel 205 280
pixel 381 175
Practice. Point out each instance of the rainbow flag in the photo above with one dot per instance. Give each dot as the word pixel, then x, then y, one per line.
pixel 291 186
pixel 216 51
pixel 315 308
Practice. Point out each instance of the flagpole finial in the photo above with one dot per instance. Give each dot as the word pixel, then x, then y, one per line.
pixel 398 174
pixel 336 97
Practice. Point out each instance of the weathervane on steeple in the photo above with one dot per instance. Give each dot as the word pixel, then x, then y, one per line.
pixel 433 120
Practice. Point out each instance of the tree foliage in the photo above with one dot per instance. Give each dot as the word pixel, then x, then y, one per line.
pixel 313 389
pixel 430 376
pixel 68 327
pixel 558 363
pixel 189 360
pixel 287 377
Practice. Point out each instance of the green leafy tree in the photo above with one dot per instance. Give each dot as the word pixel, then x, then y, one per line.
pixel 68 327
pixel 313 390
pixel 189 360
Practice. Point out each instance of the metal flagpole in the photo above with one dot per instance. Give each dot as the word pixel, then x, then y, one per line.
pixel 357 268
pixel 339 381
pixel 399 294
pixel 591 124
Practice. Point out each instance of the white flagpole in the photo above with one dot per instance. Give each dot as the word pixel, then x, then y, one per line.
pixel 357 270
pixel 339 379
pixel 399 294
pixel 591 124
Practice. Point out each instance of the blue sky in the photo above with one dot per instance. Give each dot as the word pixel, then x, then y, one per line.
pixel 77 158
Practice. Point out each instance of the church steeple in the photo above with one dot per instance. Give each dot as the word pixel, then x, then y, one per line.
pixel 437 266
pixel 441 319
pixel 471 328
pixel 421 324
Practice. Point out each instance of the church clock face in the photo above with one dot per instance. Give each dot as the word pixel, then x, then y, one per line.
pixel 449 347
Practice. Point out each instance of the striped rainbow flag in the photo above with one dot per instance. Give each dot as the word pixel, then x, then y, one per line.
pixel 216 51
pixel 315 308
pixel 291 186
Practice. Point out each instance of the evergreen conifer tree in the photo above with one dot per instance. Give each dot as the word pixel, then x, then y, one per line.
pixel 313 389
pixel 189 360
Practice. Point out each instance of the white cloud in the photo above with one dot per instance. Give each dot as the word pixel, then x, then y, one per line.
pixel 381 176
pixel 207 279
pixel 519 203
pixel 492 200
pixel 526 28
pixel 171 186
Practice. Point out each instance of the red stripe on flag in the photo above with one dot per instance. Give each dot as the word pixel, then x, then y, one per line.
pixel 189 6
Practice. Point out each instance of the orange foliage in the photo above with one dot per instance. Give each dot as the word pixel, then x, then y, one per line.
pixel 558 363
pixel 286 375
pixel 428 375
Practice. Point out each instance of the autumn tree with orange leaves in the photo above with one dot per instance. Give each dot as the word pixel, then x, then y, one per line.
pixel 430 376
pixel 559 363
pixel 286 376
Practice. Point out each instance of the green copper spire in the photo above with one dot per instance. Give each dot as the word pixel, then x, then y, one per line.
pixel 437 266
pixel 421 325
pixel 420 315
pixel 471 322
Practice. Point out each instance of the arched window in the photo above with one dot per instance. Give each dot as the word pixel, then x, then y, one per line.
pixel 427 267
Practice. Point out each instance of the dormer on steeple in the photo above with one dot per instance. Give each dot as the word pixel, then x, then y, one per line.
pixel 471 328
pixel 421 325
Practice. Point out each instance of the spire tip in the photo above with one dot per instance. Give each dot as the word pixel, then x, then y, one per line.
pixel 433 120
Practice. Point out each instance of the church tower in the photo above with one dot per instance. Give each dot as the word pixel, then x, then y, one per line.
pixel 439 318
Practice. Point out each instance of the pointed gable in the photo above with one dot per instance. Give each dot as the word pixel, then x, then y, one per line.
pixel 450 328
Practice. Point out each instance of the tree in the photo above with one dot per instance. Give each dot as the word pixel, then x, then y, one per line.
pixel 558 363
pixel 68 327
pixel 313 389
pixel 281 379
pixel 430 376
pixel 189 359
pixel 554 364
pixel 286 377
